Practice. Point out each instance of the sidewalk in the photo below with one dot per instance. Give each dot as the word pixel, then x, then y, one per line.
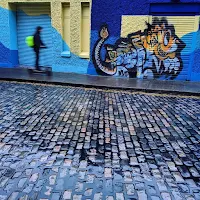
pixel 181 87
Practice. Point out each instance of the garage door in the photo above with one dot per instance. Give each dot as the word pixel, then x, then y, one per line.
pixel 179 61
pixel 29 16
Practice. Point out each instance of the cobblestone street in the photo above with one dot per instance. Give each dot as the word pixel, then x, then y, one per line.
pixel 74 143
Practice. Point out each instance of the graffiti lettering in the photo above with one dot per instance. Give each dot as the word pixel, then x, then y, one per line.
pixel 153 53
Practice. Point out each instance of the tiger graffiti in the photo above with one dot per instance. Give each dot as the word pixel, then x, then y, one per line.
pixel 153 53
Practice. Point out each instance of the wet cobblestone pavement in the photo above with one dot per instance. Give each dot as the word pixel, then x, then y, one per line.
pixel 72 143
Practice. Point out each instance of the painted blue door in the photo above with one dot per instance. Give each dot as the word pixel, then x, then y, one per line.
pixel 29 16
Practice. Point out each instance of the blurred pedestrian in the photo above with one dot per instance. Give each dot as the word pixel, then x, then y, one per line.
pixel 37 45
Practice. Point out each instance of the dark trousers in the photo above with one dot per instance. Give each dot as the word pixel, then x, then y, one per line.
pixel 37 55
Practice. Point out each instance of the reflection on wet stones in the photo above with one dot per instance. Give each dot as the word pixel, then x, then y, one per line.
pixel 99 184
pixel 9 172
pixel 28 188
pixel 60 184
pixel 112 145
pixel 88 192
pixel 118 186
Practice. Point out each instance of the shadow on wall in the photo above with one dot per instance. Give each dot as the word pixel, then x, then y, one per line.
pixel 192 67
pixel 195 74
pixel 7 55
pixel 4 56
pixel 25 55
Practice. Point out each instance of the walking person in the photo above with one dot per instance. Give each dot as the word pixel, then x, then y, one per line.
pixel 37 45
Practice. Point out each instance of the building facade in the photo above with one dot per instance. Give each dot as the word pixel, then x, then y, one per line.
pixel 154 39
pixel 146 39
pixel 62 22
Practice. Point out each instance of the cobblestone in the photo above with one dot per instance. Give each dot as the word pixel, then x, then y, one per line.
pixel 75 143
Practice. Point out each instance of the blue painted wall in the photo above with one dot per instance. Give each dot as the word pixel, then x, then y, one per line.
pixel 9 47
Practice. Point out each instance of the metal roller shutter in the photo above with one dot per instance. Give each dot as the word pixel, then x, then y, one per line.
pixel 185 27
pixel 29 16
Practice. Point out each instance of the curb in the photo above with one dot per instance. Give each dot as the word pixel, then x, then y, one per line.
pixel 159 91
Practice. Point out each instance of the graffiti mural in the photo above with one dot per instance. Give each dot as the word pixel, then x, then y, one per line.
pixel 152 53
